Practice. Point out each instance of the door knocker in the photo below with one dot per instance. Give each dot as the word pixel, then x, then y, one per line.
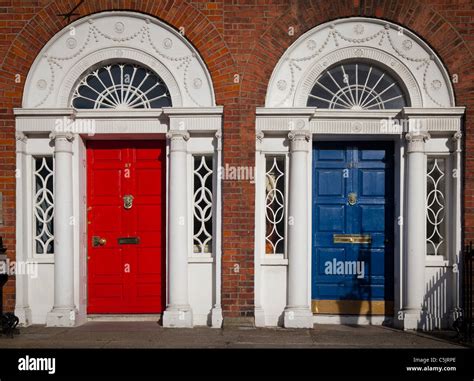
pixel 352 198
pixel 128 201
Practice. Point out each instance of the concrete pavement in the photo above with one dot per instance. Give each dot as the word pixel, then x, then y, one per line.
pixel 151 335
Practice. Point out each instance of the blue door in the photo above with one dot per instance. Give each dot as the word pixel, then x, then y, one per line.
pixel 352 232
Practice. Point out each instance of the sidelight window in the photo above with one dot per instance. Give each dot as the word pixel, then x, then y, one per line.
pixel 275 205
pixel 43 205
pixel 436 206
pixel 202 204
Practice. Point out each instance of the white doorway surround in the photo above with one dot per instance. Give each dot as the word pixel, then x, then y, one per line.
pixel 53 130
pixel 425 130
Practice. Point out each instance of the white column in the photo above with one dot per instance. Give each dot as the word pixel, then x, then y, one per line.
pixel 178 312
pixel 456 310
pixel 216 313
pixel 22 307
pixel 414 316
pixel 260 175
pixel 64 312
pixel 298 313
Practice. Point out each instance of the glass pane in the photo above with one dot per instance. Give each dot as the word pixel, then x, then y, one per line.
pixel 121 86
pixel 356 86
pixel 275 205
pixel 435 202
pixel 44 205
pixel 202 205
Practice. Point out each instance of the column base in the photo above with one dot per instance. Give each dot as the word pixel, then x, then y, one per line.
pixel 298 317
pixel 178 317
pixel 24 315
pixel 398 319
pixel 417 320
pixel 216 317
pixel 259 314
pixel 62 317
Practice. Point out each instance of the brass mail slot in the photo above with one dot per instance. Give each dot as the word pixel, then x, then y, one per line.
pixel 129 240
pixel 352 238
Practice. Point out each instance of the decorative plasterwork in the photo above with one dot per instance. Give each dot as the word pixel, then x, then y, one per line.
pixel 369 54
pixel 357 38
pixel 84 65
pixel 122 36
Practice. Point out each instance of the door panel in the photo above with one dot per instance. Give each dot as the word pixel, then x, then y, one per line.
pixel 126 277
pixel 352 278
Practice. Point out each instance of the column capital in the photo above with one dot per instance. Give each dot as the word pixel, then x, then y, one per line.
pixel 21 137
pixel 63 135
pixel 177 135
pixel 299 140
pixel 416 141
pixel 218 137
pixel 21 140
pixel 457 136
pixel 259 140
pixel 177 140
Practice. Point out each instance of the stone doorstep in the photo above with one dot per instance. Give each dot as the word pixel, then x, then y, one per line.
pixel 239 322
pixel 124 317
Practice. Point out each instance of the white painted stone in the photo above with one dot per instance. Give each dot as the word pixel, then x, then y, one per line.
pixel 22 305
pixel 178 311
pixel 64 312
pixel 97 39
pixel 297 312
pixel 379 42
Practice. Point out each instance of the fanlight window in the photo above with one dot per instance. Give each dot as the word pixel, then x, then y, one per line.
pixel 121 86
pixel 356 86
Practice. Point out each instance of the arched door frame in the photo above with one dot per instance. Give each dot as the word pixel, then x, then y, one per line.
pixel 286 127
pixel 192 125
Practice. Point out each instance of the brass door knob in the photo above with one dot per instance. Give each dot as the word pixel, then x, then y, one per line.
pixel 98 241
pixel 352 198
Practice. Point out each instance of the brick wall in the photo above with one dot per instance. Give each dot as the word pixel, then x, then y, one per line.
pixel 244 37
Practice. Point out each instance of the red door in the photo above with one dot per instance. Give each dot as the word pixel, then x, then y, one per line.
pixel 126 229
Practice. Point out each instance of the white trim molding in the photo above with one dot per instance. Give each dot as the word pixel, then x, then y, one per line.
pixel 343 122
pixel 118 36
pixel 365 39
